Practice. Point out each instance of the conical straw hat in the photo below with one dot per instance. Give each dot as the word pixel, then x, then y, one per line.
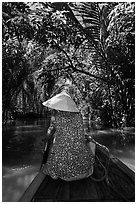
pixel 61 102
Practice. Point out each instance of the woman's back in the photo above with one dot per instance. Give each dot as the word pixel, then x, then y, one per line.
pixel 69 157
pixel 69 127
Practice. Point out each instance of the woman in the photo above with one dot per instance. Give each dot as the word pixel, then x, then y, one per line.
pixel 69 166
pixel 67 173
pixel 70 158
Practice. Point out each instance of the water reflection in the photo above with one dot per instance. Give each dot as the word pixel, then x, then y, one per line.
pixel 121 144
pixel 22 154
pixel 23 151
pixel 16 181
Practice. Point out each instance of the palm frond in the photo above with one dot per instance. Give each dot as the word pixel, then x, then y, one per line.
pixel 88 15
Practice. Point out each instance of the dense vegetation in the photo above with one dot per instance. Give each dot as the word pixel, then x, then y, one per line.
pixel 90 43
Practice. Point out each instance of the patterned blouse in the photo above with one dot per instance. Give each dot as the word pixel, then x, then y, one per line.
pixel 69 157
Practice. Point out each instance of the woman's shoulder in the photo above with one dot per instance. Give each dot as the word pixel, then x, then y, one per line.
pixel 67 113
pixel 69 116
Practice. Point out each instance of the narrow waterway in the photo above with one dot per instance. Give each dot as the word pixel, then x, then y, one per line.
pixel 23 148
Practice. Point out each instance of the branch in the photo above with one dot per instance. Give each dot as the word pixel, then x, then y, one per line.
pixel 79 70
pixel 58 47
pixel 92 75
pixel 67 67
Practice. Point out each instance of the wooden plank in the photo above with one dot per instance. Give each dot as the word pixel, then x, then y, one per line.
pixel 124 168
pixel 119 164
pixel 33 187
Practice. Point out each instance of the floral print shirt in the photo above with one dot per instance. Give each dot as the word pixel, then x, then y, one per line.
pixel 69 157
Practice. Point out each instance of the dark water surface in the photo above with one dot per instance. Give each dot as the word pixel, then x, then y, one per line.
pixel 23 148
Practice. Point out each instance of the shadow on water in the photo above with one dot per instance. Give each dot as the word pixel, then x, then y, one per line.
pixel 23 147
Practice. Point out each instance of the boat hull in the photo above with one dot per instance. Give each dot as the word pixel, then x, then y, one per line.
pixel 111 181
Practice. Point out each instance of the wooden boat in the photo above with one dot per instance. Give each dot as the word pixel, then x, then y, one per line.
pixel 115 182
pixel 111 181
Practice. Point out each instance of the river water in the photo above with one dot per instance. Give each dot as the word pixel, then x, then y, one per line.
pixel 23 146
